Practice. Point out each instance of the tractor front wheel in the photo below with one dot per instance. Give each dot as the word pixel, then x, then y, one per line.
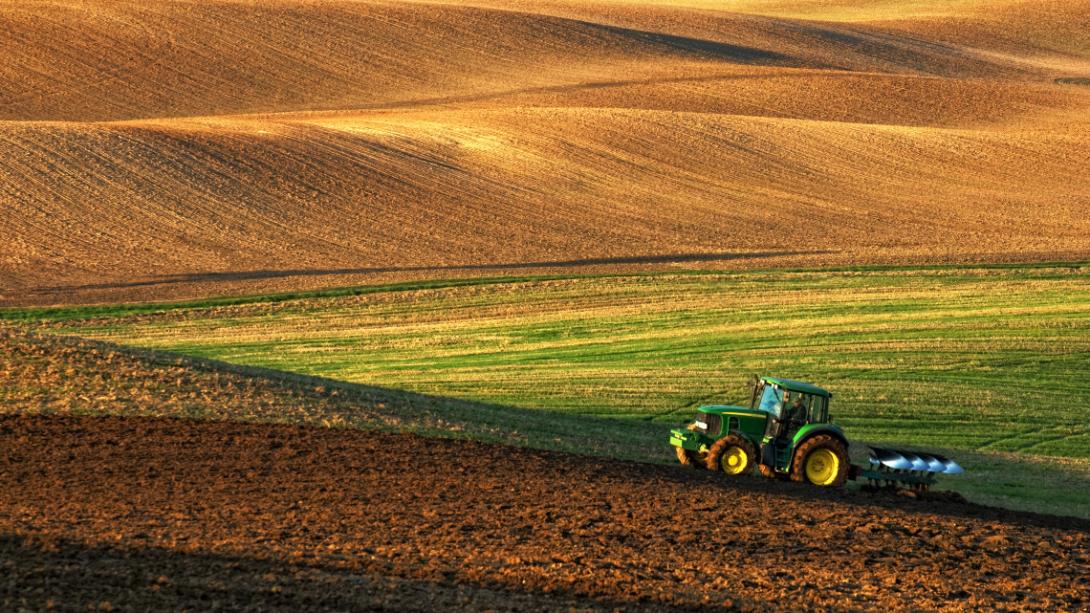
pixel 822 460
pixel 733 455
pixel 688 458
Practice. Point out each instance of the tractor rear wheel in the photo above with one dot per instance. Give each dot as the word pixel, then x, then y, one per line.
pixel 822 460
pixel 689 458
pixel 733 455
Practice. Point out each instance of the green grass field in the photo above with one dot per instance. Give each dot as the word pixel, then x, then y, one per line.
pixel 991 362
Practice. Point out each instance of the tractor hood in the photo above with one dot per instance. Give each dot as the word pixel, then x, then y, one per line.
pixel 721 409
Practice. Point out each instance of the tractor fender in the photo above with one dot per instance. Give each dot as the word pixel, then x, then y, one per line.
pixel 753 440
pixel 811 430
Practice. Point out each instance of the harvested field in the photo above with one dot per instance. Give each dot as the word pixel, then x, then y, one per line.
pixel 179 150
pixel 144 512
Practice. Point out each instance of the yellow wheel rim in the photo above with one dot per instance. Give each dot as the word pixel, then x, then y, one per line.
pixel 822 466
pixel 734 461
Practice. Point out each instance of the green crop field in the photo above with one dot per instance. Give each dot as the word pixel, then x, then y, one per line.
pixel 991 364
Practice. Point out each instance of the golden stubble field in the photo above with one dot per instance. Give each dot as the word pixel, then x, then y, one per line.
pixel 168 150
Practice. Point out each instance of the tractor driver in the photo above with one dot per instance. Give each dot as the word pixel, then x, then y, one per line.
pixel 796 416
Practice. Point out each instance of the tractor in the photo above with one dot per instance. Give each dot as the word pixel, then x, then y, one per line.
pixel 787 433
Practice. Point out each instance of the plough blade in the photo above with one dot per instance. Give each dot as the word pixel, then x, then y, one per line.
pixel 918 463
pixel 915 461
pixel 891 459
pixel 935 465
pixel 952 467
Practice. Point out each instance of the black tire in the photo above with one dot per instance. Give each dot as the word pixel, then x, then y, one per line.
pixel 728 442
pixel 821 442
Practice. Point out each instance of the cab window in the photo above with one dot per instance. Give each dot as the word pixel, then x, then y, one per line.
pixel 771 401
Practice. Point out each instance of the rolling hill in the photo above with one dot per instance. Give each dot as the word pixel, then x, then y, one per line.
pixel 168 150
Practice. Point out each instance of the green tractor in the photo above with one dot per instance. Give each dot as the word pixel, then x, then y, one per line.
pixel 787 433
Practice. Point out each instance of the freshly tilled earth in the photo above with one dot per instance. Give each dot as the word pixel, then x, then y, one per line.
pixel 117 512
pixel 165 150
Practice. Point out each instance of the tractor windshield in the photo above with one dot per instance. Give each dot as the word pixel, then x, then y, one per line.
pixel 771 400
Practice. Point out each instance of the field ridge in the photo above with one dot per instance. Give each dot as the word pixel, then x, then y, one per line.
pixel 186 150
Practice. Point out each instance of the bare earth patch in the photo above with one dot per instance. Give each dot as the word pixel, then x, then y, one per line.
pixel 155 505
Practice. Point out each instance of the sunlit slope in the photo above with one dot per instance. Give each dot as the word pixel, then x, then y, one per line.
pixel 1045 32
pixel 1055 32
pixel 826 95
pixel 157 150
pixel 122 60
pixel 117 60
pixel 451 188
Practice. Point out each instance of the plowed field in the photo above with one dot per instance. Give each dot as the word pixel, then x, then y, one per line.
pixel 158 150
pixel 169 513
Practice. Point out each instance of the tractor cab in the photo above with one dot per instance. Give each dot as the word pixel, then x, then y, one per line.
pixel 793 408
pixel 790 405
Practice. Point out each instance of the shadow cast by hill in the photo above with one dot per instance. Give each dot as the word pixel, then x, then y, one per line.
pixel 635 448
pixel 58 573
pixel 701 47
pixel 254 275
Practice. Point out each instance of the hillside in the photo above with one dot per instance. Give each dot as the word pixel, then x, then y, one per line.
pixel 164 150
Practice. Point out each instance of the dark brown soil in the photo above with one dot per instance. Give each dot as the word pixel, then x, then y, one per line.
pixel 62 375
pixel 135 512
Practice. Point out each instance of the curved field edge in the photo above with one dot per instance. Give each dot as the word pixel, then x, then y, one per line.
pixel 996 476
pixel 113 60
pixel 75 312
pixel 1001 352
pixel 178 150
pixel 157 212
pixel 51 375
pixel 605 533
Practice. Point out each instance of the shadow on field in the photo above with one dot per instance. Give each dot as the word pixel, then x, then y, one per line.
pixel 51 573
pixel 705 48
pixel 1074 81
pixel 606 447
pixel 252 275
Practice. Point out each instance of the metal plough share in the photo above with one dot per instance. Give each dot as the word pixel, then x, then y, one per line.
pixel 914 461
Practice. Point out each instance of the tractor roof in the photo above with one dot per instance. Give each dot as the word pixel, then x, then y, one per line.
pixel 797 386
